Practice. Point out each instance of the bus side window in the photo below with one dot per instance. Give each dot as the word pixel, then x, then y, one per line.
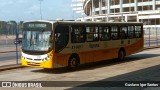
pixel 138 32
pixel 123 32
pixel 92 33
pixel 131 32
pixel 78 34
pixel 89 35
pixel 104 33
pixel 95 31
pixel 114 32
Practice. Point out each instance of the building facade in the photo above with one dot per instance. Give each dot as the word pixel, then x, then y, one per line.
pixel 146 11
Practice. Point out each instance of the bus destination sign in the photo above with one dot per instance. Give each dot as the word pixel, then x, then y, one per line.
pixel 37 25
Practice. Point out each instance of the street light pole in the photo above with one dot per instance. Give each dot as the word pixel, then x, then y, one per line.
pixel 17 34
pixel 40 2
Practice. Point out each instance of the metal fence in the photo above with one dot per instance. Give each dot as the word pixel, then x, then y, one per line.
pixel 151 37
pixel 8 54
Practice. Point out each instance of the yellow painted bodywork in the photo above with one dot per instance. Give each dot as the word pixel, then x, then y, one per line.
pixel 86 55
pixel 45 64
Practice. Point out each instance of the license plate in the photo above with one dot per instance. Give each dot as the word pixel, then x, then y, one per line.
pixel 32 63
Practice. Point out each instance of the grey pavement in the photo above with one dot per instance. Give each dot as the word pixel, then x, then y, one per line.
pixel 9 64
pixel 9 49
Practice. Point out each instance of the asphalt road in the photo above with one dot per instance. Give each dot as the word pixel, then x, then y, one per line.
pixel 5 54
pixel 7 42
pixel 151 42
pixel 9 56
pixel 143 66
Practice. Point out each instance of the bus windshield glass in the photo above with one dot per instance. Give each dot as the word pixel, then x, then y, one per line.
pixel 37 40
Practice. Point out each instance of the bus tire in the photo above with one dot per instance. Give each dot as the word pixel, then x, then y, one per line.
pixel 121 54
pixel 73 61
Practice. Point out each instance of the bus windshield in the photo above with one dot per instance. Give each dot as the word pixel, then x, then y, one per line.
pixel 37 40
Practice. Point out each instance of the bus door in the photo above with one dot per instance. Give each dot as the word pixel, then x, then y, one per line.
pixel 61 37
pixel 78 38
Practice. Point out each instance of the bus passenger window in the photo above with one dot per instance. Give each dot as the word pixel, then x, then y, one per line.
pixel 114 36
pixel 130 32
pixel 92 33
pixel 138 32
pixel 104 33
pixel 123 33
pixel 77 34
pixel 114 32
pixel 89 35
pixel 95 29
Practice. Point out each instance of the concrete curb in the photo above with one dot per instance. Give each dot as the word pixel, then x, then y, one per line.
pixel 8 51
pixel 15 66
pixel 145 48
pixel 11 66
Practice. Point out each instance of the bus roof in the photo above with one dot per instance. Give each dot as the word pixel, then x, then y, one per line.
pixel 89 22
pixel 86 22
pixel 40 21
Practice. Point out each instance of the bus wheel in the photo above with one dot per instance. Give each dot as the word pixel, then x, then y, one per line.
pixel 73 62
pixel 121 55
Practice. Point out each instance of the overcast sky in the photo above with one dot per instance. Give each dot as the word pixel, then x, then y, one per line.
pixel 23 10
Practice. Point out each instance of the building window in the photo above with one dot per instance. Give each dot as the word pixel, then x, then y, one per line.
pixel 97 12
pixel 125 1
pixel 144 8
pixel 158 7
pixel 128 1
pixel 126 9
pixel 131 9
pixel 149 7
pixel 131 1
pixel 96 3
pixel 104 11
pixel 103 3
pixel 116 10
pixel 157 21
pixel 139 0
pixel 146 0
pixel 140 8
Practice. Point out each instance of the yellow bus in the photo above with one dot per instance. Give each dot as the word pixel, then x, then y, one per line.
pixel 54 44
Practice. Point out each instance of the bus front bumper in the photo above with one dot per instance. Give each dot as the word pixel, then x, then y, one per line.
pixel 45 64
